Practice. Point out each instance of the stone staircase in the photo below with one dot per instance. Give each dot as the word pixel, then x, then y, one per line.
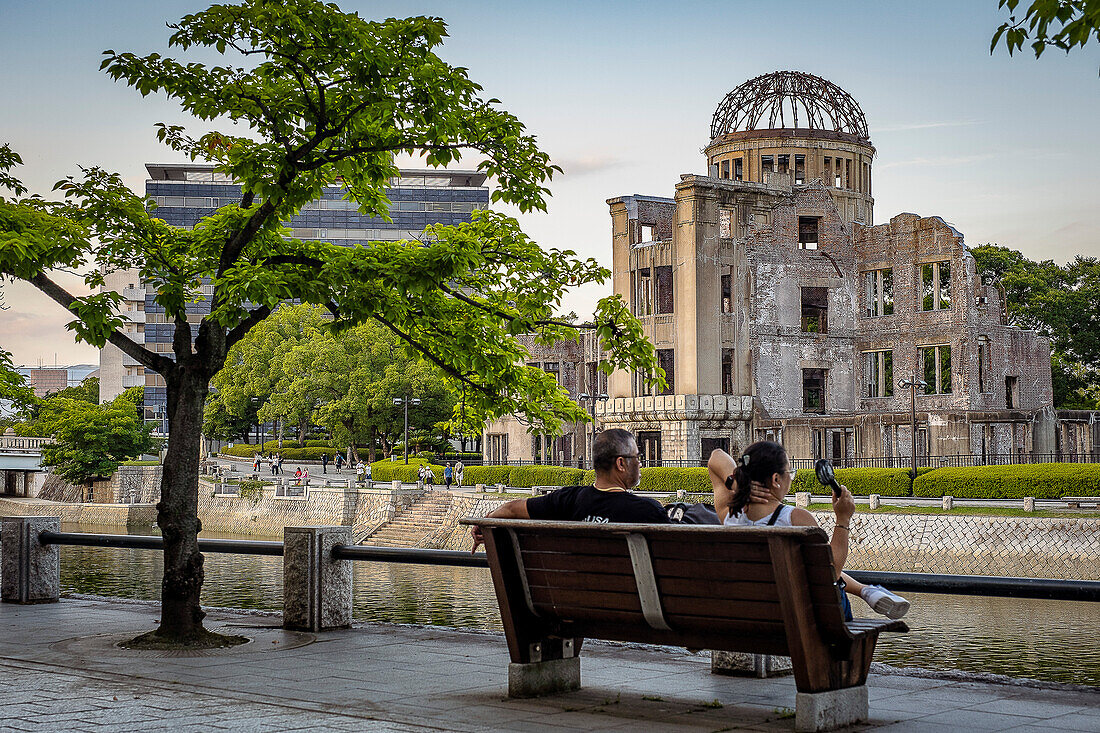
pixel 411 527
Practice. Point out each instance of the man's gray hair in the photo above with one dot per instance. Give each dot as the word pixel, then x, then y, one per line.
pixel 609 445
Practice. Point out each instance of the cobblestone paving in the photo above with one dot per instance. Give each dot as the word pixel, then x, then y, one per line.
pixel 58 671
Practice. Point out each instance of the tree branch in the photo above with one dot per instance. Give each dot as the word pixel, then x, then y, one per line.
pixel 433 358
pixel 152 360
pixel 246 325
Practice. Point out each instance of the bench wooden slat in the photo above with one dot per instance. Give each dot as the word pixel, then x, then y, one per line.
pixel 692 588
pixel 673 606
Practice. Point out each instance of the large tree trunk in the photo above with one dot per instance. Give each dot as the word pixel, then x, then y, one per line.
pixel 177 511
pixel 370 446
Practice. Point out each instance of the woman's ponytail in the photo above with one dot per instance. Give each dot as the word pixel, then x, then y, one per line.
pixel 758 463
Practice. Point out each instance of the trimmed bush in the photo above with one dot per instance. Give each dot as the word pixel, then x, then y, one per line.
pixel 524 477
pixel 488 475
pixel 1041 480
pixel 398 471
pixel 667 480
pixel 588 477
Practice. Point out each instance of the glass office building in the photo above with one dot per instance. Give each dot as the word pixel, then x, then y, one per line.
pixel 184 193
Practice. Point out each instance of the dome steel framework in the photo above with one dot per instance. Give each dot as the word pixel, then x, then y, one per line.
pixel 805 100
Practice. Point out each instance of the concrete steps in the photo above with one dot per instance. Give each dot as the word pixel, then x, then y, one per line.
pixel 413 525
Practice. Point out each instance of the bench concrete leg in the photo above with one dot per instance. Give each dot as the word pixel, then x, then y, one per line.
pixel 756 665
pixel 818 711
pixel 534 679
pixel 31 571
pixel 316 586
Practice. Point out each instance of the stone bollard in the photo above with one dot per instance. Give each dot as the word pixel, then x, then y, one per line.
pixel 395 486
pixel 948 503
pixel 479 489
pixel 802 499
pixel 681 494
pixel 30 571
pixel 1029 503
pixel 351 483
pixel 872 501
pixel 755 665
pixel 316 586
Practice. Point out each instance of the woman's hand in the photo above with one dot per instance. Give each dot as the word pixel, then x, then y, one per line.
pixel 844 506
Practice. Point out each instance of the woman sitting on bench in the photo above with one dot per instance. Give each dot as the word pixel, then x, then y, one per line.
pixel 766 463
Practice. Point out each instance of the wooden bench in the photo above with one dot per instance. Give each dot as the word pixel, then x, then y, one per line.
pixel 1082 502
pixel 756 590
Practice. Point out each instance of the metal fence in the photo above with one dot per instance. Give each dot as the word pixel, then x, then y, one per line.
pixel 953 461
pixel 1065 590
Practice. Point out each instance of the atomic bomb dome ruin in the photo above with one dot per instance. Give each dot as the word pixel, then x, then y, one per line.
pixel 780 310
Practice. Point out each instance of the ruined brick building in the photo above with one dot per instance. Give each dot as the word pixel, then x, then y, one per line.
pixel 779 310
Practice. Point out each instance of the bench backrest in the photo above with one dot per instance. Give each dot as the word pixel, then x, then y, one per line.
pixel 742 589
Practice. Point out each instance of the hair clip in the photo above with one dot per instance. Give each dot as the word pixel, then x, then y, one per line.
pixel 745 460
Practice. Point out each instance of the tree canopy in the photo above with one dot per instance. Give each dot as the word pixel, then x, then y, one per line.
pixel 1059 302
pixel 328 99
pixel 1064 24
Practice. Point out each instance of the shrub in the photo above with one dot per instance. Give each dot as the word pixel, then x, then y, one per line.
pixel 667 480
pixel 524 477
pixel 1040 480
pixel 588 477
pixel 860 481
pixel 399 471
pixel 488 475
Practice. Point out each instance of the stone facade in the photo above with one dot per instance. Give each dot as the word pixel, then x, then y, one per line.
pixel 779 311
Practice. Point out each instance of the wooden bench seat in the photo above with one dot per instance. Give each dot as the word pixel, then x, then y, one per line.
pixel 757 590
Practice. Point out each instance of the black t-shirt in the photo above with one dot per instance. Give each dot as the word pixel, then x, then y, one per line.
pixel 589 504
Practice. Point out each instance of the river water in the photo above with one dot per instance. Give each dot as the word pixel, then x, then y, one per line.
pixel 1057 641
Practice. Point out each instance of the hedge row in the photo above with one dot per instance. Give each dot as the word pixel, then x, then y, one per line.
pixel 1040 480
pixel 288 454
pixel 860 481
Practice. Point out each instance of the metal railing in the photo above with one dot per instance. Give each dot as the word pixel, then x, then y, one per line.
pixel 976 585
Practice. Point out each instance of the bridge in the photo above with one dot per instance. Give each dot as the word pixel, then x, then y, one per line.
pixel 20 461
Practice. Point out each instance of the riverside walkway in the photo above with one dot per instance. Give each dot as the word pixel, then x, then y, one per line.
pixel 60 670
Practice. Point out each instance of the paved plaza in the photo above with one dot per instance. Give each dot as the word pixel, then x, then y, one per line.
pixel 60 670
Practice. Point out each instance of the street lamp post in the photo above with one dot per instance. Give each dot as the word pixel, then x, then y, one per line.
pixel 586 399
pixel 912 384
pixel 405 402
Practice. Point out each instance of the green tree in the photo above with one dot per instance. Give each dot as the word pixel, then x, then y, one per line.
pixel 1064 24
pixel 1059 303
pixel 328 98
pixel 91 440
pixel 86 391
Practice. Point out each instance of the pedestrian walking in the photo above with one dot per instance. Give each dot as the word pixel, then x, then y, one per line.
pixel 429 478
pixel 448 475
pixel 360 471
pixel 368 476
pixel 256 463
pixel 274 464
pixel 324 463
pixel 458 473
pixel 339 461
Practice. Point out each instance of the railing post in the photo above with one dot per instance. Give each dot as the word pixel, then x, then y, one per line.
pixel 316 586
pixel 31 571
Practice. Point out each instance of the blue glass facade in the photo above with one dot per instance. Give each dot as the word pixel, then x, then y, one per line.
pixel 185 194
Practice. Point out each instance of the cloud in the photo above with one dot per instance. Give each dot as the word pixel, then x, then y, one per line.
pixel 588 164
pixel 907 126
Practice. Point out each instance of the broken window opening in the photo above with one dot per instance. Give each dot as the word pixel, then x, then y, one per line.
pixel 725 223
pixel 935 286
pixel 878 293
pixel 738 169
pixel 643 302
pixel 1012 393
pixel 552 368
pixel 815 310
pixel 838 175
pixel 936 361
pixel 800 169
pixel 878 371
pixel 807 232
pixel 728 386
pixel 784 162
pixel 649 233
pixel 847 173
pixel 664 289
pixel 666 360
pixel 983 356
pixel 727 294
pixel 827 170
pixel 725 169
pixel 766 165
pixel 813 390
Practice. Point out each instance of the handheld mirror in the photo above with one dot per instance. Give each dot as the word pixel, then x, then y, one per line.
pixel 824 470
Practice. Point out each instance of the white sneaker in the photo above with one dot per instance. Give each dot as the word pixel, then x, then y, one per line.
pixel 890 605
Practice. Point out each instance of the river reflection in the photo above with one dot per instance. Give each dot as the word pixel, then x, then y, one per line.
pixel 1047 640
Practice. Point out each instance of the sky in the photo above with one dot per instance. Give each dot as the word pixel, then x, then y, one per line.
pixel 620 94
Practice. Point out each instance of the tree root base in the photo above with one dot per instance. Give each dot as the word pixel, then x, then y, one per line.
pixel 201 639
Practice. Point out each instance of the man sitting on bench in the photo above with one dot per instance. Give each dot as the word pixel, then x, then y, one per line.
pixel 610 499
